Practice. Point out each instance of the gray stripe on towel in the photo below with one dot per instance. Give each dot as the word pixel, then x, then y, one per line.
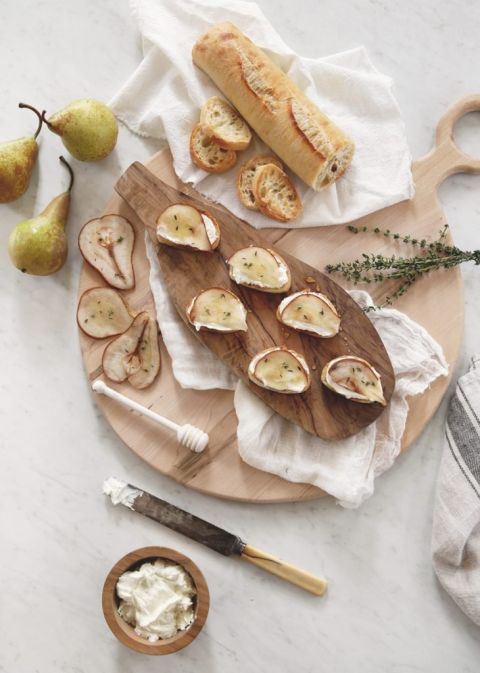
pixel 466 474
pixel 465 436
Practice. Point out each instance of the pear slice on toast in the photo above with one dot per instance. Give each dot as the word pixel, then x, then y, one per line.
pixel 102 312
pixel 134 355
pixel 106 243
pixel 217 310
pixel 310 312
pixel 259 268
pixel 183 226
pixel 280 369
pixel 355 379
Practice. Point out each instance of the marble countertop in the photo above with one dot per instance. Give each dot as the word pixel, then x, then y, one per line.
pixel 59 536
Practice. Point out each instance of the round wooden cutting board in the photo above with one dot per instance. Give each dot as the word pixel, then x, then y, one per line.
pixel 219 470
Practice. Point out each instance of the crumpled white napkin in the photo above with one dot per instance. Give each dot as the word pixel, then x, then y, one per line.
pixel 162 99
pixel 456 515
pixel 347 468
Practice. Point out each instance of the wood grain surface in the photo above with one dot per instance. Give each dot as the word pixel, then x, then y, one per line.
pixel 124 631
pixel 318 410
pixel 219 470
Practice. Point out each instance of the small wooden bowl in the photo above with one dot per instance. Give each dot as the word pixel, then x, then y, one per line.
pixel 126 633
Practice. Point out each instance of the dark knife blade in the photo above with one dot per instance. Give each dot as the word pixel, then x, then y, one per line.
pixel 187 524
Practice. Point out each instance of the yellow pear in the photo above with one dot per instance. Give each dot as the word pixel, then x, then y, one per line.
pixel 17 159
pixel 87 127
pixel 39 245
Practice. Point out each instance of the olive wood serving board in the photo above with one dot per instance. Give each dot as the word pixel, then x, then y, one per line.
pixel 219 471
pixel 186 273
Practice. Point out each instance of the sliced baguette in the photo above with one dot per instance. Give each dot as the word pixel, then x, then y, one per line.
pixel 246 176
pixel 304 138
pixel 260 269
pixel 217 310
pixel 280 369
pixel 207 154
pixel 275 194
pixel 224 124
pixel 183 226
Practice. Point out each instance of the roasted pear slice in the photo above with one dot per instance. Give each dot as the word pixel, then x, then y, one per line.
pixel 106 243
pixel 259 268
pixel 102 312
pixel 217 310
pixel 309 312
pixel 183 226
pixel 149 356
pixel 280 369
pixel 354 378
pixel 134 355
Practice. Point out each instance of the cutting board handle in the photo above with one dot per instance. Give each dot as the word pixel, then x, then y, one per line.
pixel 446 158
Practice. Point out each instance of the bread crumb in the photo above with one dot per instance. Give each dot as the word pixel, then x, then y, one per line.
pixel 309 279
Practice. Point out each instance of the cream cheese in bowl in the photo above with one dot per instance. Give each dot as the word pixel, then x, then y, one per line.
pixel 157 599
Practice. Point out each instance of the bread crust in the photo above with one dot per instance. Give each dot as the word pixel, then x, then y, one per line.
pixel 246 175
pixel 266 201
pixel 197 135
pixel 304 138
pixel 225 140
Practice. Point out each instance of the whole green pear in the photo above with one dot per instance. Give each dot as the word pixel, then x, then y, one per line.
pixel 39 245
pixel 87 127
pixel 17 159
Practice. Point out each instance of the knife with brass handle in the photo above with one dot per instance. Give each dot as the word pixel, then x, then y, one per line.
pixel 208 534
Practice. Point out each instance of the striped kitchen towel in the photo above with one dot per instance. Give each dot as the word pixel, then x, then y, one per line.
pixel 456 517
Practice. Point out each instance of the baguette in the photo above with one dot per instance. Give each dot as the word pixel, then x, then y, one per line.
pixel 206 154
pixel 308 142
pixel 275 194
pixel 246 176
pixel 225 126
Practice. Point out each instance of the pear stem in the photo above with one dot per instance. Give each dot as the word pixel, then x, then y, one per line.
pixel 69 169
pixel 45 120
pixel 40 117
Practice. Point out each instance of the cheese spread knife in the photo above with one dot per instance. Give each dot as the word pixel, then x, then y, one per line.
pixel 207 533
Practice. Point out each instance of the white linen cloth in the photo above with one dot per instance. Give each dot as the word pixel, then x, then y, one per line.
pixel 456 515
pixel 346 468
pixel 162 99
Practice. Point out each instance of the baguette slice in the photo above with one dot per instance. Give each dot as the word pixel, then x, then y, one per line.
pixel 102 312
pixel 224 124
pixel 207 154
pixel 217 310
pixel 280 369
pixel 309 312
pixel 247 174
pixel 260 269
pixel 275 194
pixel 183 226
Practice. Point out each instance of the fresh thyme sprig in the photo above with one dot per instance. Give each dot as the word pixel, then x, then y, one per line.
pixel 371 268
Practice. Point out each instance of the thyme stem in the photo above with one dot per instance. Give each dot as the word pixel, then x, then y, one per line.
pixel 431 256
